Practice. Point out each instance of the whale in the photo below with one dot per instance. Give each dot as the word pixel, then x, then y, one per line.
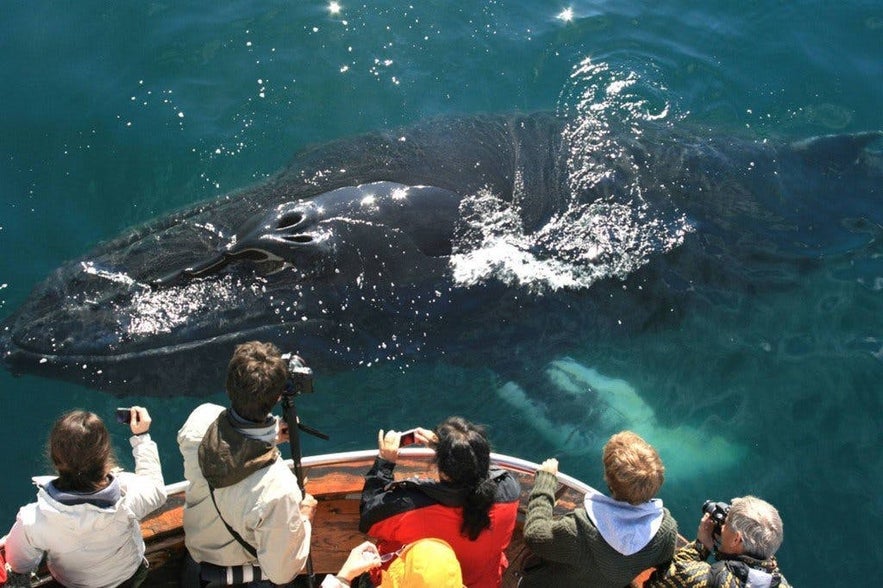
pixel 600 406
pixel 499 240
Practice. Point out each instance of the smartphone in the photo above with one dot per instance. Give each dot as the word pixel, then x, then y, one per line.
pixel 124 415
pixel 408 438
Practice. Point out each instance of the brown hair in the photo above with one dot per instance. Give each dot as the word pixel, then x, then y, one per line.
pixel 79 447
pixel 632 468
pixel 256 378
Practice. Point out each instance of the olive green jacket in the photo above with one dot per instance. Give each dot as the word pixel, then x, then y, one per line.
pixel 689 569
pixel 572 552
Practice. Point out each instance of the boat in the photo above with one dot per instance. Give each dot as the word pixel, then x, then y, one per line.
pixel 336 480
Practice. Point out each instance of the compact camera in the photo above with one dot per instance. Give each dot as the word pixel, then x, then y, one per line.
pixel 124 415
pixel 408 438
pixel 300 376
pixel 718 513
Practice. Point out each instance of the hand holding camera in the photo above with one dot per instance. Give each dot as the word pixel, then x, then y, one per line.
pixel 136 417
pixel 714 515
pixel 389 442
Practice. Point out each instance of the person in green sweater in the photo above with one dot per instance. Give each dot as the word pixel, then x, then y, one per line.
pixel 610 540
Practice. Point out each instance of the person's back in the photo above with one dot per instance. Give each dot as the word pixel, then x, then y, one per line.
pixel 238 481
pixel 472 508
pixel 86 521
pixel 610 540
pixel 429 514
pixel 260 503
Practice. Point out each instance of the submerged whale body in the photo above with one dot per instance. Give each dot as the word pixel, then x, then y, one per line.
pixel 488 239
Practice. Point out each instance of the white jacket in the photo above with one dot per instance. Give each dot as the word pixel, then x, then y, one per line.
pixel 87 546
pixel 263 508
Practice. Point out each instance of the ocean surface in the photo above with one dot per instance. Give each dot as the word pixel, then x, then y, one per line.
pixel 115 113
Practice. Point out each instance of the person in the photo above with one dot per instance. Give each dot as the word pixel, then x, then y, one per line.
pixel 243 508
pixel 750 535
pixel 472 507
pixel 85 520
pixel 425 563
pixel 609 540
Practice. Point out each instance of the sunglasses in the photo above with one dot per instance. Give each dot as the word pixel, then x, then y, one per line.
pixel 385 557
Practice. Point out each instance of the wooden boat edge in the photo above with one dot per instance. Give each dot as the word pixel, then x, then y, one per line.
pixel 336 480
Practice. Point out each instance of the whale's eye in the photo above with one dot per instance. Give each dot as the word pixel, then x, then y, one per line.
pixel 289 220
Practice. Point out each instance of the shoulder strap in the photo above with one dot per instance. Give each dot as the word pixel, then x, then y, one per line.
pixel 245 545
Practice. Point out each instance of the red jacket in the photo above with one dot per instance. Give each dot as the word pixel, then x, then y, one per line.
pixel 398 513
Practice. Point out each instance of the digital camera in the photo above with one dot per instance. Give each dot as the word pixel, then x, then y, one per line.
pixel 300 376
pixel 717 511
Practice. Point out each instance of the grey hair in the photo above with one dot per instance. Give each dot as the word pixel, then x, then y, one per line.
pixel 759 523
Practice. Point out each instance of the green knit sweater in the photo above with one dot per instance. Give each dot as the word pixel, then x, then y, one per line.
pixel 573 551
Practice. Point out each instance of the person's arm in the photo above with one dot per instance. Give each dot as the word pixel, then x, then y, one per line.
pixel 22 555
pixel 374 494
pixel 146 490
pixel 688 567
pixel 372 507
pixel 362 558
pixel 282 533
pixel 556 540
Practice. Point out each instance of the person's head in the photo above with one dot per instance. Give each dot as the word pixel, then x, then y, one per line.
pixel 81 452
pixel 426 563
pixel 463 457
pixel 753 527
pixel 632 468
pixel 256 379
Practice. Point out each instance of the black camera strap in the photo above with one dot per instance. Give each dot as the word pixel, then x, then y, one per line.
pixel 245 545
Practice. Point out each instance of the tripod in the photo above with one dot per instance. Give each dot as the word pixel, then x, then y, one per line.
pixel 289 413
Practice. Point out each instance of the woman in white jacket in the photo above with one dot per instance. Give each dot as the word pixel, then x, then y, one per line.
pixel 86 520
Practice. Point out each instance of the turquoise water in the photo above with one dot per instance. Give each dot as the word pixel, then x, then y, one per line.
pixel 112 116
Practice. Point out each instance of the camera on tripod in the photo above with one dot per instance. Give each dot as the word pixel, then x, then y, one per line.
pixel 300 376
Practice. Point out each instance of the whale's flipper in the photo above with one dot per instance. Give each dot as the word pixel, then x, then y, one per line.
pixel 610 405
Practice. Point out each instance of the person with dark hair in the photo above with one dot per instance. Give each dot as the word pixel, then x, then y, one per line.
pixel 243 508
pixel 748 538
pixel 471 506
pixel 85 520
pixel 608 541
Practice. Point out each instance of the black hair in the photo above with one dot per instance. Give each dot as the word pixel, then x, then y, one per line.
pixel 463 455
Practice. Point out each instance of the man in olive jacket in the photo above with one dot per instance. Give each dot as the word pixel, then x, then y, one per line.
pixel 610 540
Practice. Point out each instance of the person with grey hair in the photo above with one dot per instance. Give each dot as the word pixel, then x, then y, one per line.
pixel 744 545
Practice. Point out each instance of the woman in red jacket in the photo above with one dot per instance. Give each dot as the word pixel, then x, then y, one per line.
pixel 471 506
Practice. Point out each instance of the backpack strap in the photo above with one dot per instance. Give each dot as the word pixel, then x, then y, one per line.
pixel 245 545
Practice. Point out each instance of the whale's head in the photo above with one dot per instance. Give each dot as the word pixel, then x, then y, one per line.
pixel 158 310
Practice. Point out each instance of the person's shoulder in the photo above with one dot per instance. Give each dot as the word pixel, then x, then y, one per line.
pixel 275 482
pixel 508 486
pixel 206 410
pixel 199 420
pixel 27 514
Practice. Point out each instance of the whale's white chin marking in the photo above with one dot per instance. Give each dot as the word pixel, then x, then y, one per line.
pixel 613 405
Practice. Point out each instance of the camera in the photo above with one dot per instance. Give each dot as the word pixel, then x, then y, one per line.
pixel 300 376
pixel 718 513
pixel 124 415
pixel 408 438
